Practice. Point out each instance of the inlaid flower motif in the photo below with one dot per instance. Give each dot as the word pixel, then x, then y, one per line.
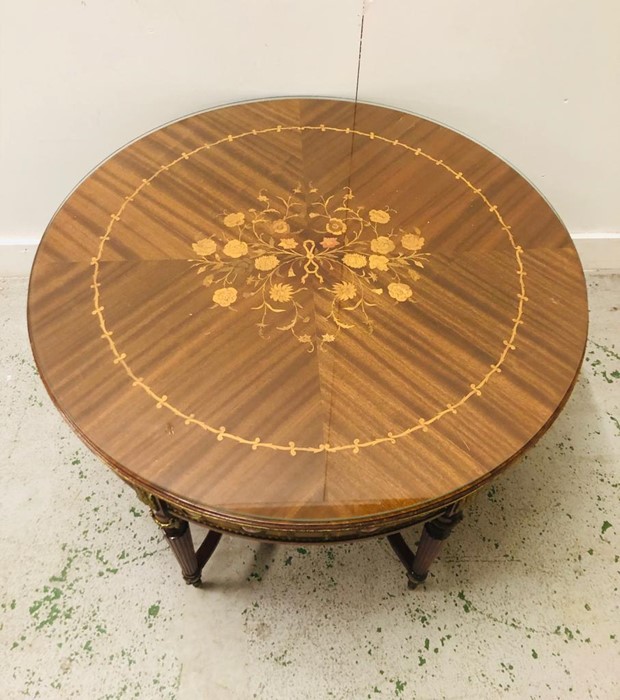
pixel 235 249
pixel 343 291
pixel 225 296
pixel 412 241
pixel 329 242
pixel 266 262
pixel 336 227
pixel 379 216
pixel 288 243
pixel 236 219
pixel 280 227
pixel 382 245
pixel 281 292
pixel 354 260
pixel 378 262
pixel 399 291
pixel 206 246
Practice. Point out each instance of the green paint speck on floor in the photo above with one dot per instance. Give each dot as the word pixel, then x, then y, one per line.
pixel 399 686
pixel 467 604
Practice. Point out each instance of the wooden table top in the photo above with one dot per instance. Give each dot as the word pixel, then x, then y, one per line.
pixel 307 313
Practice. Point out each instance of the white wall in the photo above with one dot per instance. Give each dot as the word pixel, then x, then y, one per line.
pixel 535 80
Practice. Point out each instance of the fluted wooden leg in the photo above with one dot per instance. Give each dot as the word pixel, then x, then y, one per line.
pixel 434 534
pixel 180 540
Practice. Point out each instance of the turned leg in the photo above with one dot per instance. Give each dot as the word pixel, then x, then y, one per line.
pixel 180 540
pixel 434 534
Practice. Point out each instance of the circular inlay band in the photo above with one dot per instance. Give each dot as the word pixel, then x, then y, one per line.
pixel 161 400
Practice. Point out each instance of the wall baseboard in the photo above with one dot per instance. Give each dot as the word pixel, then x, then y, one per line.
pixel 598 251
pixel 16 257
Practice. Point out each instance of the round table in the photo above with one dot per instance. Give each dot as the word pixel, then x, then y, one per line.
pixel 307 320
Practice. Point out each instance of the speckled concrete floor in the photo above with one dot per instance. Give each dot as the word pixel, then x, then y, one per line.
pixel 523 603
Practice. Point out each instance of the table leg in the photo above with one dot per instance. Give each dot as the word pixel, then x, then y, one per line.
pixel 179 538
pixel 434 534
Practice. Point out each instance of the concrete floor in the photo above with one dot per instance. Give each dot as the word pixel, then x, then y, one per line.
pixel 522 604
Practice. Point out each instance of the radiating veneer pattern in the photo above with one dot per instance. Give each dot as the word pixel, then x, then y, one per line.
pixel 307 319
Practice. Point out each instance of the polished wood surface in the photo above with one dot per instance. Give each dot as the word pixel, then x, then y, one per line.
pixel 307 315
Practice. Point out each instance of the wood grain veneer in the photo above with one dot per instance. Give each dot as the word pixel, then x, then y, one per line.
pixel 307 318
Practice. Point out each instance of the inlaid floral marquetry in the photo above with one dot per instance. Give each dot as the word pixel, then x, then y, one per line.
pixel 276 251
pixel 306 318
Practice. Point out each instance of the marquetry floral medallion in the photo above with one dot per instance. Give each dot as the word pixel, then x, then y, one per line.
pixel 276 251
